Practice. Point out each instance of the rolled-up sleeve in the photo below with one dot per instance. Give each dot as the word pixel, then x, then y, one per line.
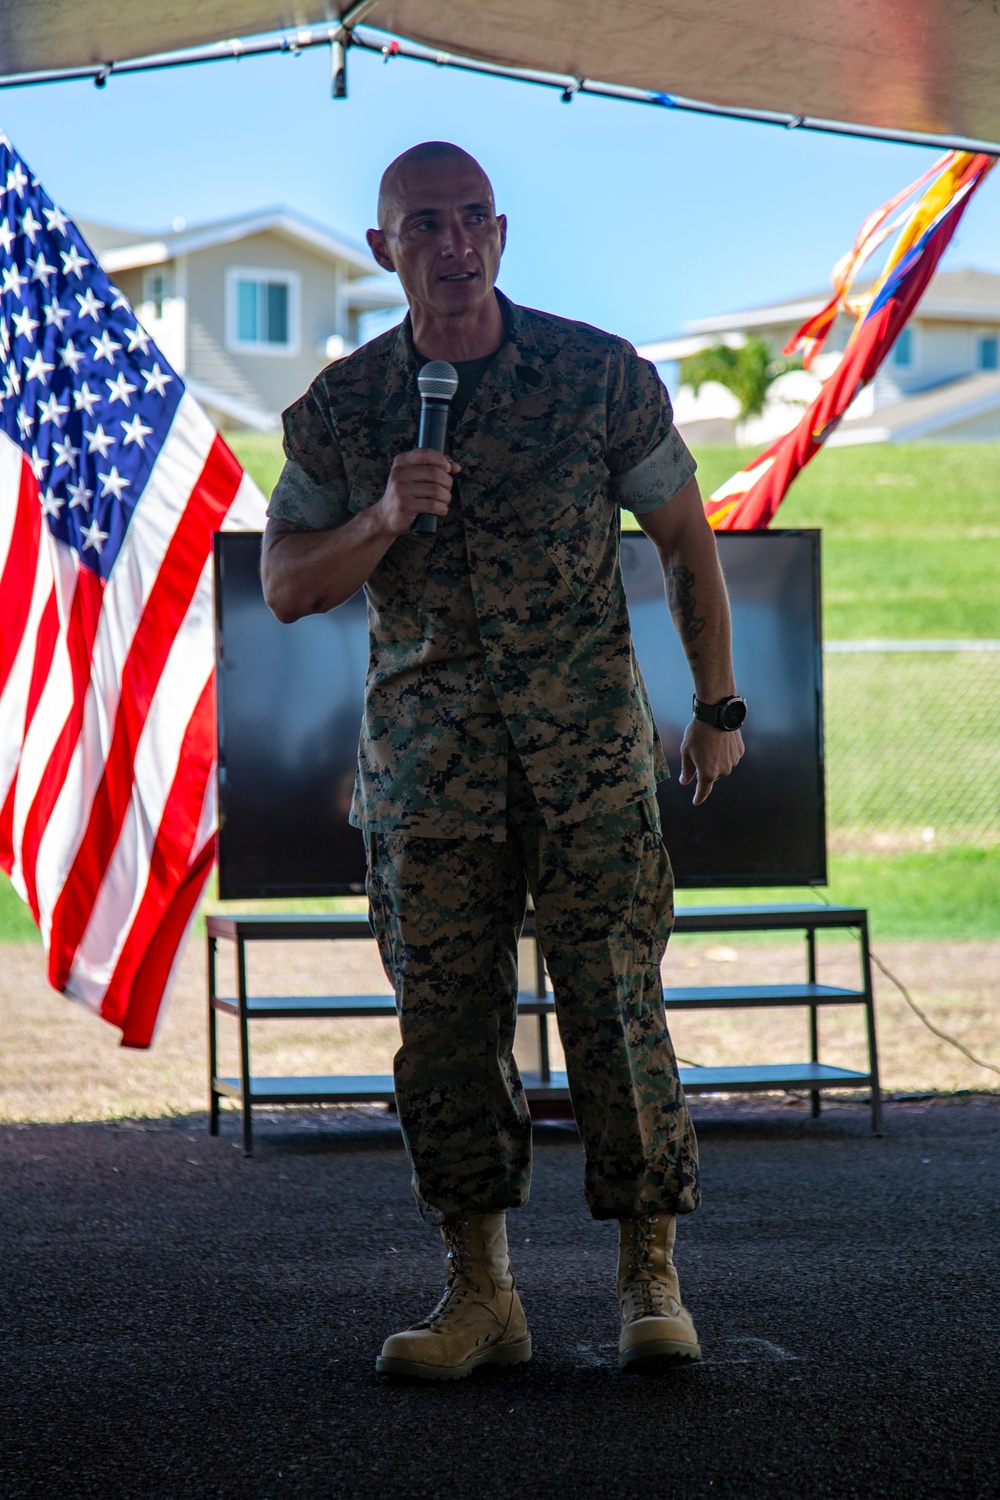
pixel 299 499
pixel 312 487
pixel 658 478
pixel 648 458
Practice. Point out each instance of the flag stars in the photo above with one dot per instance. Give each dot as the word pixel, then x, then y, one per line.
pixel 113 483
pixel 49 410
pixel 38 463
pixel 37 367
pixel 85 400
pixel 120 301
pixel 17 180
pixel 71 357
pixel 64 454
pixel 40 269
pixel 79 496
pixel 138 338
pixel 90 306
pixel 7 236
pixel 105 347
pixel 156 380
pixel 29 224
pixel 12 381
pixel 93 536
pixel 52 504
pixel 25 423
pixel 135 431
pixel 73 263
pixel 55 219
pixel 119 389
pixel 24 324
pixel 99 441
pixel 13 280
pixel 4 336
pixel 55 314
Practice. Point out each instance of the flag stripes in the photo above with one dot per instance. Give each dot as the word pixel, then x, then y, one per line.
pixel 108 505
pixel 155 636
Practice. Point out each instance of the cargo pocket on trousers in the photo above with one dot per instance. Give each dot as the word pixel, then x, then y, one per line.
pixel 654 907
pixel 373 889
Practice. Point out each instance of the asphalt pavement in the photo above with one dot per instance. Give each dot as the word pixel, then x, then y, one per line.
pixel 177 1321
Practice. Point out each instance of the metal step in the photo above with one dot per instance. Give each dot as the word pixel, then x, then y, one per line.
pixel 683 997
pixel 370 1088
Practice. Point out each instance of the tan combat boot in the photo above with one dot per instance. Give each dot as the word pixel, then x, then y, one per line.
pixel 656 1329
pixel 479 1320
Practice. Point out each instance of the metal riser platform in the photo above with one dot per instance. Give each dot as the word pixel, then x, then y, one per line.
pixel 544 1085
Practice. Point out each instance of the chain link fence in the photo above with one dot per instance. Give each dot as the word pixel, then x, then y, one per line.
pixel 912 744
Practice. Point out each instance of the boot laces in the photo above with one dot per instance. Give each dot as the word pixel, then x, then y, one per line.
pixel 640 1248
pixel 459 1288
pixel 646 1294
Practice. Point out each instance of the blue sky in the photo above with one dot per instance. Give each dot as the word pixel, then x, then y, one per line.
pixel 628 217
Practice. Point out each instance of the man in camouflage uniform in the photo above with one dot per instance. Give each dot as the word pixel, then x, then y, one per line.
pixel 508 745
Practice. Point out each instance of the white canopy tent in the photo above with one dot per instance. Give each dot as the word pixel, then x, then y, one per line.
pixel 924 67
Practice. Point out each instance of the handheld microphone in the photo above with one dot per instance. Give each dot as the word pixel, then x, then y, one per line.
pixel 437 383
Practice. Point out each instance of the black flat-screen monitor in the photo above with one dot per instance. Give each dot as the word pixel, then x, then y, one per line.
pixel 290 700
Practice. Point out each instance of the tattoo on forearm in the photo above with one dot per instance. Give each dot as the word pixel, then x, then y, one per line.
pixel 681 603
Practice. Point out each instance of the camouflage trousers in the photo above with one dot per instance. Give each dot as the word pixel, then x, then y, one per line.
pixel 447 914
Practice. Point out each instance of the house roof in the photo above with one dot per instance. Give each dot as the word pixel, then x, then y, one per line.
pixel 965 295
pixel 125 250
pixel 923 415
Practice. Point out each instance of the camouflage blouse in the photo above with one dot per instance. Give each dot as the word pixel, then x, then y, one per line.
pixel 512 618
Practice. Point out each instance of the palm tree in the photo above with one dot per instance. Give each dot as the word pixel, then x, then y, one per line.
pixel 748 371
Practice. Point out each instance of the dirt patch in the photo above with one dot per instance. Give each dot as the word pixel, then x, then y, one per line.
pixel 60 1063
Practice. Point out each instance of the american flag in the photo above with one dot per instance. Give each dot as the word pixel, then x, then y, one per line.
pixel 112 481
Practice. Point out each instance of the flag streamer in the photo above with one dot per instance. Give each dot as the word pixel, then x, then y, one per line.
pixel 750 498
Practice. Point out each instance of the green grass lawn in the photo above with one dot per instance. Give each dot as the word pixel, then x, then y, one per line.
pixel 16 925
pixel 911 549
pixel 260 454
pixel 950 895
pixel 911 534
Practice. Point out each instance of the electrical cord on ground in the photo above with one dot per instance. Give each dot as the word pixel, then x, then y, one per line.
pixel 901 987
pixel 943 1035
pixel 952 1041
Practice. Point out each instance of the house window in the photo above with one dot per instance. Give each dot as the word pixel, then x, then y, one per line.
pixel 989 352
pixel 902 350
pixel 156 288
pixel 262 310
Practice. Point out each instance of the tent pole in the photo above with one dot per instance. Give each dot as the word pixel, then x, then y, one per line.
pixel 343 34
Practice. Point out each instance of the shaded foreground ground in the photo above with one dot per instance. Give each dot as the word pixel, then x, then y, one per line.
pixel 179 1321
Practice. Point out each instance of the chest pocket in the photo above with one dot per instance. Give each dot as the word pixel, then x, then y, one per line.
pixel 399 581
pixel 571 511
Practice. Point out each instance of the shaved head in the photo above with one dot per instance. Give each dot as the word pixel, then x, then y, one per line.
pixel 392 188
pixel 439 230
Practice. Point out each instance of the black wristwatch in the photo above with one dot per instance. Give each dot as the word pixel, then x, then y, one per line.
pixel 727 714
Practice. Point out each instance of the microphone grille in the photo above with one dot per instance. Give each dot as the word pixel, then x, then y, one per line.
pixel 438 380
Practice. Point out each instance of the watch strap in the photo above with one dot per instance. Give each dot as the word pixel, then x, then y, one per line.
pixel 713 713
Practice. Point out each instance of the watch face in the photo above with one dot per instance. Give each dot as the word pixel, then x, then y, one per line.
pixel 733 714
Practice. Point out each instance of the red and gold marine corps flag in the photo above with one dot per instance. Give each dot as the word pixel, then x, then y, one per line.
pixel 752 496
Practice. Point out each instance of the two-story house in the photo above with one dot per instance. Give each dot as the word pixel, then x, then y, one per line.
pixel 248 309
pixel 940 383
